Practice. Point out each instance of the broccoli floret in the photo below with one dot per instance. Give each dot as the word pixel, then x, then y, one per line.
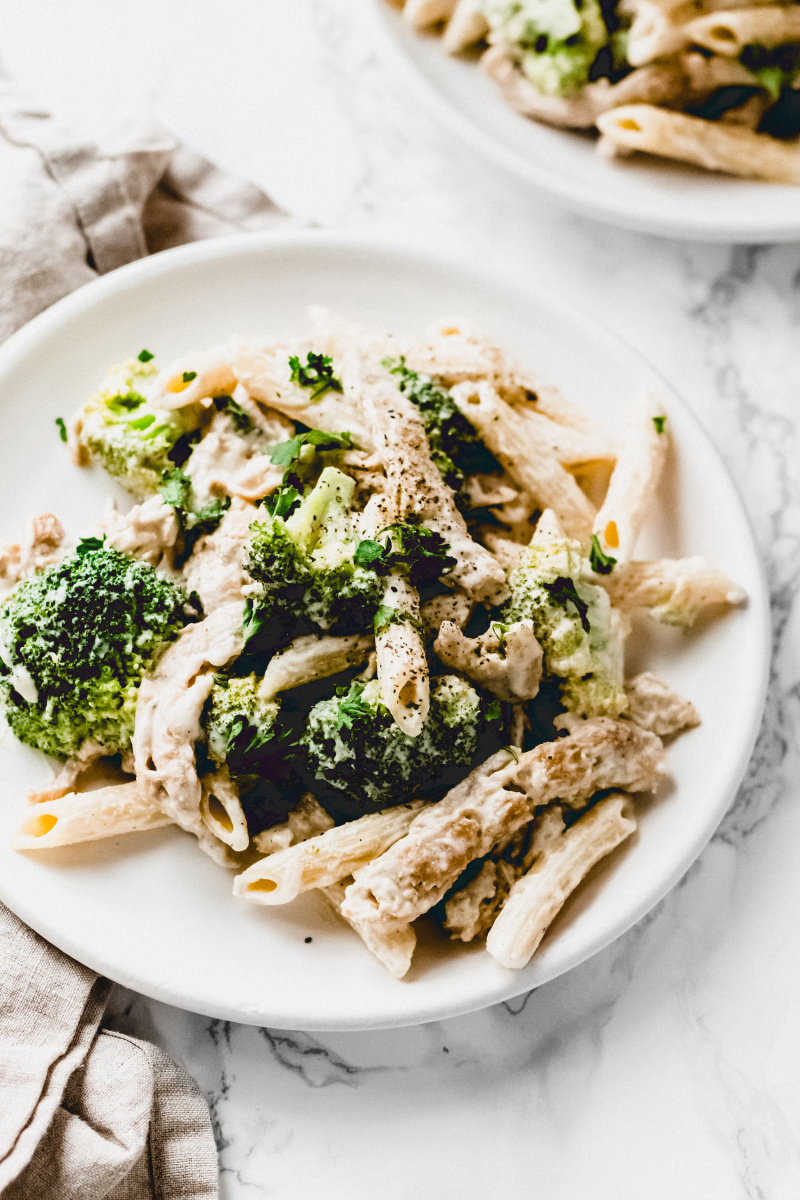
pixel 75 641
pixel 130 436
pixel 353 744
pixel 556 42
pixel 303 563
pixel 242 728
pixel 572 618
pixel 455 446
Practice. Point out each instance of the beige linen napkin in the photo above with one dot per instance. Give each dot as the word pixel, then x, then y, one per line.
pixel 86 1113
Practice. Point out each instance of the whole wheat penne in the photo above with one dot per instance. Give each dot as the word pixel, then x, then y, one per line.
pixel 392 942
pixel 714 145
pixel 486 807
pixel 727 33
pixel 535 900
pixel 325 859
pixel 532 465
pixel 677 591
pixel 87 816
pixel 634 481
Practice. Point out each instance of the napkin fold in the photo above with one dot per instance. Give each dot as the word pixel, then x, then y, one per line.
pixel 87 1113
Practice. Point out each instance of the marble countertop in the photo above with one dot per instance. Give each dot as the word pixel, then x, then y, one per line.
pixel 668 1066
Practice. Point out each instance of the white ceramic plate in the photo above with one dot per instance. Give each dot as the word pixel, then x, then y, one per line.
pixel 638 193
pixel 150 910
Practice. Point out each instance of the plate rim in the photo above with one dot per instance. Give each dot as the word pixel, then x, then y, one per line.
pixel 21 342
pixel 625 214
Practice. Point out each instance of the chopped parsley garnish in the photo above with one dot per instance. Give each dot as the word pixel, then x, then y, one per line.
pixel 145 356
pixel 350 706
pixel 188 376
pixel 500 629
pixel 602 564
pixel 562 591
pixel 659 423
pixel 62 429
pixel 418 553
pixel 240 420
pixel 455 447
pixel 286 454
pixel 493 711
pixel 317 374
pixel 283 502
pixel 385 616
pixel 87 544
pixel 176 488
pixel 254 619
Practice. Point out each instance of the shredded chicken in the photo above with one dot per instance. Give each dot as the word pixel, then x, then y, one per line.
pixel 43 544
pixel 215 568
pixel 507 663
pixel 228 463
pixel 148 531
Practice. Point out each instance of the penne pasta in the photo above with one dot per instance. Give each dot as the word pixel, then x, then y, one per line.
pixel 713 145
pixel 325 859
pixel 727 33
pixel 466 26
pixel 87 816
pixel 655 706
pixel 536 899
pixel 414 874
pixel 533 466
pixel 676 591
pixel 507 661
pixel 424 13
pixel 313 657
pixel 221 810
pixel 633 482
pixel 391 942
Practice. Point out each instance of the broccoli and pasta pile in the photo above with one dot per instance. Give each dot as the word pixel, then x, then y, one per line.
pixel 362 631
pixel 705 82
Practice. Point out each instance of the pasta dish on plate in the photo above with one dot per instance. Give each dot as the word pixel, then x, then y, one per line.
pixel 713 83
pixel 362 631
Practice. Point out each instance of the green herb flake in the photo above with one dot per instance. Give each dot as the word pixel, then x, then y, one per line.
pixel 188 376
pixel 283 502
pixel 601 564
pixel 176 488
pixel 385 616
pixel 419 553
pixel 351 706
pixel 562 591
pixel 493 711
pixel 500 629
pixel 62 429
pixel 125 404
pixel 145 356
pixel 88 544
pixel 317 374
pixel 286 454
pixel 659 423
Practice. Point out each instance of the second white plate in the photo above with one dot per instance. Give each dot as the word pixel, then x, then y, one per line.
pixel 638 193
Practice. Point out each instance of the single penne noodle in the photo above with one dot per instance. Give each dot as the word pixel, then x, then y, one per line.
pixel 392 942
pixel 221 809
pixel 401 660
pixel 325 859
pixel 535 900
pixel 306 820
pixel 727 33
pixel 88 816
pixel 532 465
pixel 653 705
pixel 714 145
pixel 467 26
pixel 571 447
pixel 424 13
pixel 633 482
pixel 488 807
pixel 656 33
pixel 677 591
pixel 313 657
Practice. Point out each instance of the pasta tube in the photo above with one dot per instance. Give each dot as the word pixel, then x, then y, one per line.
pixel 325 859
pixel 392 942
pixel 507 663
pixel 423 13
pixel 88 816
pixel 653 705
pixel 714 145
pixel 533 466
pixel 633 483
pixel 537 898
pixel 312 657
pixel 487 807
pixel 466 27
pixel 221 810
pixel 677 591
pixel 727 33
